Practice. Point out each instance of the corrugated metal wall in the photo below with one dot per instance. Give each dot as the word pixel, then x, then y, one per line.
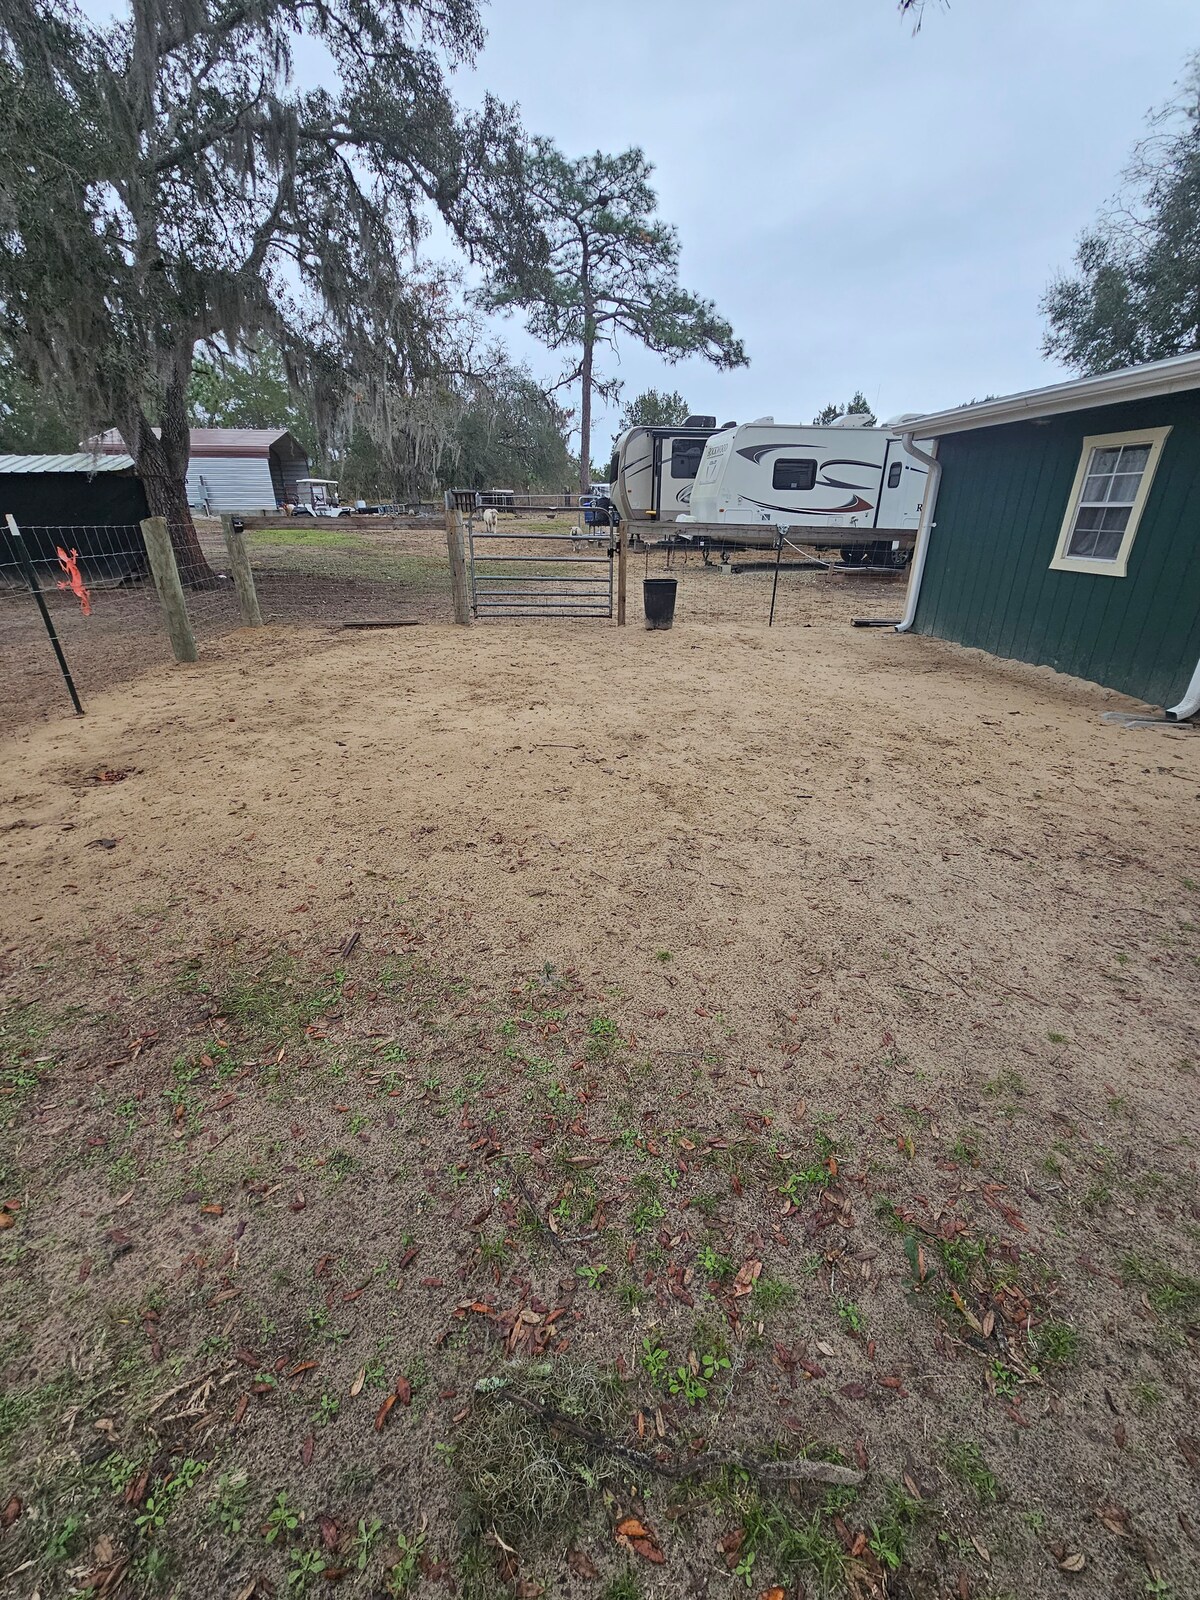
pixel 288 465
pixel 988 581
pixel 231 483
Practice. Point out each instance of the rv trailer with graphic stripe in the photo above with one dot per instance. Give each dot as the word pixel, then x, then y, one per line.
pixel 835 477
pixel 844 485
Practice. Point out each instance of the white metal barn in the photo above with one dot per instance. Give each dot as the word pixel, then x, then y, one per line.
pixel 238 469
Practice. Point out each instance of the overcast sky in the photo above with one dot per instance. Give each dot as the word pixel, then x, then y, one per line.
pixel 868 208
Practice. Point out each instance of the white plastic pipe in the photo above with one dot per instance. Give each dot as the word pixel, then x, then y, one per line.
pixel 1189 706
pixel 924 529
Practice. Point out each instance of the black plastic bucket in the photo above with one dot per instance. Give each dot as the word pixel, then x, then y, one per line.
pixel 658 598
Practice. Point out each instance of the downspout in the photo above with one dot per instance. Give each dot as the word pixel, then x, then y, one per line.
pixel 924 529
pixel 1189 706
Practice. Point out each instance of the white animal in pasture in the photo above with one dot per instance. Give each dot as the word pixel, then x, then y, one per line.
pixel 489 519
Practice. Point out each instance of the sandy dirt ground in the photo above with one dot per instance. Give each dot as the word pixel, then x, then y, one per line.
pixel 722 791
pixel 821 878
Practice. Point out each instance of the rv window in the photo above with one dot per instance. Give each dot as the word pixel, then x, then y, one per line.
pixel 795 476
pixel 685 457
pixel 894 472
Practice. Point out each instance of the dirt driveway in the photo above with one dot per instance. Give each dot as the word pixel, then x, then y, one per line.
pixel 832 993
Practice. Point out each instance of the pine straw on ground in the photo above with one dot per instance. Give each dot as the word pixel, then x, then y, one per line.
pixel 285 1239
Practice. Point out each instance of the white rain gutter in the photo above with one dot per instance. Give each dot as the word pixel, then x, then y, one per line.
pixel 1189 706
pixel 1154 378
pixel 924 529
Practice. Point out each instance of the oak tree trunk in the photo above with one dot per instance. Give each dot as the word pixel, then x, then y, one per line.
pixel 167 497
pixel 162 461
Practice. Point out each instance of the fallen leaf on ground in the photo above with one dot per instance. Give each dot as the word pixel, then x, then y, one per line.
pixel 1115 1518
pixel 581 1564
pixel 634 1535
pixel 404 1391
pixel 965 1312
pixel 106 1580
pixel 360 1377
pixel 1073 1563
pixel 730 1544
pixel 747 1275
pixel 12 1510
pixel 631 1528
pixel 381 1415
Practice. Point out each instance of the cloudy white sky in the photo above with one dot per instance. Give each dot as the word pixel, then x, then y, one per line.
pixel 868 208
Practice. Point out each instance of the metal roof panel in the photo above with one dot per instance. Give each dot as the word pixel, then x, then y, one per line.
pixel 209 442
pixel 1144 382
pixel 79 461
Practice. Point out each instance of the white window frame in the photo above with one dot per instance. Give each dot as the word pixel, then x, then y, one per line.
pixel 1119 565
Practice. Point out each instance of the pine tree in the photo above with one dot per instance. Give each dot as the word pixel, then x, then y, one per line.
pixel 612 269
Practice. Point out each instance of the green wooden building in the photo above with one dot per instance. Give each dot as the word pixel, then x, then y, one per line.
pixel 1062 527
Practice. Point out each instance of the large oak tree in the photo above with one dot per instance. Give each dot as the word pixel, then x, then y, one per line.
pixel 166 184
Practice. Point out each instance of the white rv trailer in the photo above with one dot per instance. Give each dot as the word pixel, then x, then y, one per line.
pixel 653 469
pixel 837 483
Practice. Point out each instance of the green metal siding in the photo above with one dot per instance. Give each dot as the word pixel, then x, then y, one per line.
pixel 988 581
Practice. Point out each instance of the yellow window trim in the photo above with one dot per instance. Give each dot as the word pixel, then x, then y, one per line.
pixel 1117 568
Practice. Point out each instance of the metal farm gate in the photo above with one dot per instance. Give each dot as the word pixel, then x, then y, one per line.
pixel 571 576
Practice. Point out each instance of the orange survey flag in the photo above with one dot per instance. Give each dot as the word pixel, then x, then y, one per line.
pixel 74 581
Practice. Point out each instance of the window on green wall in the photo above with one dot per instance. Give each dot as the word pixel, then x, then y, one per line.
pixel 1112 484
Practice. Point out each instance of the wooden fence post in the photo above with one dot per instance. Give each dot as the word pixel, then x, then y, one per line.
pixel 170 590
pixel 622 571
pixel 243 578
pixel 458 561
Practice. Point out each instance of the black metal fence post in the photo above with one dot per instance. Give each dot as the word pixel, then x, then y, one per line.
pixel 31 580
pixel 775 580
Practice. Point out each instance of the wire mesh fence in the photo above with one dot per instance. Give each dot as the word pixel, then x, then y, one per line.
pixel 96 597
pixel 95 585
pixel 787 585
pixel 100 599
pixel 315 570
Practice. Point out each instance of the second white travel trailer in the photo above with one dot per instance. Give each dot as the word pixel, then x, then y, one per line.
pixel 653 469
pixel 836 483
